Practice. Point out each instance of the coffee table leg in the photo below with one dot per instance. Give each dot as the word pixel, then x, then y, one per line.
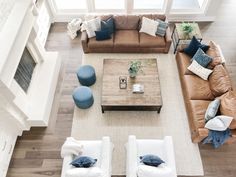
pixel 159 110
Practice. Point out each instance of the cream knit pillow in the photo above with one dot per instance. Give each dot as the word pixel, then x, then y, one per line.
pixel 91 26
pixel 149 26
pixel 199 70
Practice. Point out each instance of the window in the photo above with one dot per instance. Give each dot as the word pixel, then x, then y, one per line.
pixel 25 70
pixel 148 4
pixel 109 4
pixel 71 4
pixel 187 4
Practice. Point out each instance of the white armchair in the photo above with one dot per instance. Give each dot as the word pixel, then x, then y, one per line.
pixel 98 149
pixel 139 147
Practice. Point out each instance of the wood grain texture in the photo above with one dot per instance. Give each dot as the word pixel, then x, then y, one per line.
pixel 217 162
pixel 114 98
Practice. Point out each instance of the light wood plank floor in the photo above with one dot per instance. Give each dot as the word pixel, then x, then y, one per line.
pixel 37 152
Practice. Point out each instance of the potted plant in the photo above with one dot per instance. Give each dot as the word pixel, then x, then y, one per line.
pixel 134 68
pixel 187 28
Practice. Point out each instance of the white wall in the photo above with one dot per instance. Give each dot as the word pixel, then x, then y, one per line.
pixel 31 108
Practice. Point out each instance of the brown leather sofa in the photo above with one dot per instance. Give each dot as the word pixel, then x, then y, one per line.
pixel 198 93
pixel 127 38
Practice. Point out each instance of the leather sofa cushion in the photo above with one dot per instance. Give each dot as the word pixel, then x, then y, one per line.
pixel 198 110
pixel 184 61
pixel 126 38
pixel 228 104
pixel 126 22
pixel 153 16
pixel 215 54
pixel 92 43
pixel 197 88
pixel 151 41
pixel 105 17
pixel 219 81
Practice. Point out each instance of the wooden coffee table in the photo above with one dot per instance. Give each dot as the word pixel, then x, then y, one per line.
pixel 114 98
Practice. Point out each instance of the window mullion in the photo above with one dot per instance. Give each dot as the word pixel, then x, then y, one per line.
pixel 91 5
pixel 129 6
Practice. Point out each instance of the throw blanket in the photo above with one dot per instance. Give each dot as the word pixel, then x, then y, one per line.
pixel 71 146
pixel 217 138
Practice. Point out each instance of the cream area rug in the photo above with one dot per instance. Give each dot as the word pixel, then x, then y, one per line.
pixel 91 124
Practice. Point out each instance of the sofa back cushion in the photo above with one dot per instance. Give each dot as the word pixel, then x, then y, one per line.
pixel 219 81
pixel 152 17
pixel 228 104
pixel 105 17
pixel 215 54
pixel 126 22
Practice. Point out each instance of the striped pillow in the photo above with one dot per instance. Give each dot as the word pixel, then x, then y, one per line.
pixel 161 29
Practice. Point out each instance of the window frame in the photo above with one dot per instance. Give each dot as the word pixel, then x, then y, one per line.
pixel 109 10
pixel 129 9
pixel 156 10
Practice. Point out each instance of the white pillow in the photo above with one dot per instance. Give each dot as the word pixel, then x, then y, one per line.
pixel 149 171
pixel 219 123
pixel 84 172
pixel 91 26
pixel 199 70
pixel 149 26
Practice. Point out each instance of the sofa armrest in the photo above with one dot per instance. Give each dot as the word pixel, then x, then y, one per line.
pixel 131 161
pixel 66 164
pixel 200 134
pixel 84 41
pixel 168 40
pixel 106 156
pixel 170 155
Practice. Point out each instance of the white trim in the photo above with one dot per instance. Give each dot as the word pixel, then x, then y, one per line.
pixel 201 14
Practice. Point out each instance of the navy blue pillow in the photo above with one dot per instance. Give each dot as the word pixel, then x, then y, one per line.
pixel 202 58
pixel 102 35
pixel 83 162
pixel 108 25
pixel 151 160
pixel 194 46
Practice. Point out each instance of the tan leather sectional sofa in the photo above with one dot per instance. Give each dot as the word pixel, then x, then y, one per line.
pixel 127 38
pixel 198 93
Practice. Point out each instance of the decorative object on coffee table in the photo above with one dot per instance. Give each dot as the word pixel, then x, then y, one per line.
pixel 123 82
pixel 183 33
pixel 138 88
pixel 134 68
pixel 114 98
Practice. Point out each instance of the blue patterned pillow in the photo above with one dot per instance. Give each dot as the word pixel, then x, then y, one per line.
pixel 83 162
pixel 194 46
pixel 102 35
pixel 212 109
pixel 151 160
pixel 161 28
pixel 202 58
pixel 108 25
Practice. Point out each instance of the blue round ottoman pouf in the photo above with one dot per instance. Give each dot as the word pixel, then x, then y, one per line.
pixel 83 97
pixel 86 75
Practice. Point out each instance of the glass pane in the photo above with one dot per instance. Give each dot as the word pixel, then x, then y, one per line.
pixel 71 4
pixel 148 4
pixel 109 4
pixel 187 4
